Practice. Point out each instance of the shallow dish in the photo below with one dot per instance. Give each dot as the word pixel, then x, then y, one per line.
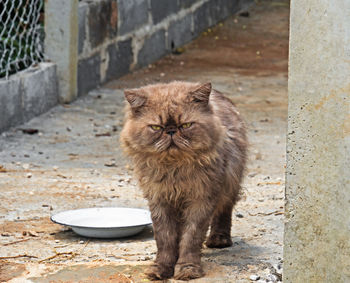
pixel 104 222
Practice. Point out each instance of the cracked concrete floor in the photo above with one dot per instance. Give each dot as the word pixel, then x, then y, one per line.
pixel 74 161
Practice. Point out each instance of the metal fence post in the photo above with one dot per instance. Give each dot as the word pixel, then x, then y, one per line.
pixel 61 44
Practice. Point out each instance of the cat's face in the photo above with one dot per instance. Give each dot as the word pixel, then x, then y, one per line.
pixel 170 119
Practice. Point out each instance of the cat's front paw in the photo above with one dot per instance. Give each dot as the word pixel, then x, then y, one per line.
pixel 218 241
pixel 188 271
pixel 159 272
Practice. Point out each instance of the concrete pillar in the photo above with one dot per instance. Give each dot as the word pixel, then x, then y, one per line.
pixel 61 44
pixel 317 228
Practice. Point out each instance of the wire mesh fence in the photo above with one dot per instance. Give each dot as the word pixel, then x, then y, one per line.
pixel 21 35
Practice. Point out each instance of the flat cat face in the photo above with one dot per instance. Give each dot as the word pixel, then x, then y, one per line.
pixel 170 119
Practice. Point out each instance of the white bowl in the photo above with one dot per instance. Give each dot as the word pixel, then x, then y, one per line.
pixel 104 222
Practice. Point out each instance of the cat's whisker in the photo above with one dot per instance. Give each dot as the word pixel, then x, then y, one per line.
pixel 183 142
pixel 161 145
pixel 186 143
pixel 158 143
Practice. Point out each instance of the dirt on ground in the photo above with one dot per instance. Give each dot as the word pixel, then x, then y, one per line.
pixel 74 161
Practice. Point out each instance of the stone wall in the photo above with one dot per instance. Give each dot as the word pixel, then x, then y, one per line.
pixel 27 94
pixel 116 36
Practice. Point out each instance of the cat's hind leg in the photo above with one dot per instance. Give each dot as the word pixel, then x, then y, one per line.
pixel 220 227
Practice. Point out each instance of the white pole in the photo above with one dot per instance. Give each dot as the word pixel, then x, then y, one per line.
pixel 317 228
pixel 61 44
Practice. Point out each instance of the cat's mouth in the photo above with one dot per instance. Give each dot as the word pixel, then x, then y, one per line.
pixel 172 145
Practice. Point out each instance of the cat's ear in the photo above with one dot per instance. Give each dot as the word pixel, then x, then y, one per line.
pixel 135 97
pixel 201 94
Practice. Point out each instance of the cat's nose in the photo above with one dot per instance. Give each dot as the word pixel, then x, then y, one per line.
pixel 171 130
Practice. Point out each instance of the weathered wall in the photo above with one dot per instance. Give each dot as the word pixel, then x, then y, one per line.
pixel 118 35
pixel 27 94
pixel 317 229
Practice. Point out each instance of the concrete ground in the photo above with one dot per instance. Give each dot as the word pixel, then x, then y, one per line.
pixel 74 161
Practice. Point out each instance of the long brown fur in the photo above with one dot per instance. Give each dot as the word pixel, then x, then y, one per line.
pixel 188 144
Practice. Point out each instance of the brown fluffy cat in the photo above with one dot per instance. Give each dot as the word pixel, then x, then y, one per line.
pixel 188 144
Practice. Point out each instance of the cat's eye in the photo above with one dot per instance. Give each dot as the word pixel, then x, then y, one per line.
pixel 156 128
pixel 186 125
